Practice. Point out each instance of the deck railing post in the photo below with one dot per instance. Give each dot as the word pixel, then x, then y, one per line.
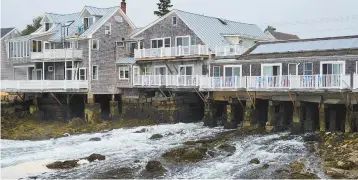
pixel 317 81
pixel 199 49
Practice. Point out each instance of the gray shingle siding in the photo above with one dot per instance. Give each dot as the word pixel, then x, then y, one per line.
pixel 7 67
pixel 105 57
pixel 164 28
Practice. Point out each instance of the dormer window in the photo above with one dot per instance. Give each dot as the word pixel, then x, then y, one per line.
pixel 87 22
pixel 48 26
pixel 174 21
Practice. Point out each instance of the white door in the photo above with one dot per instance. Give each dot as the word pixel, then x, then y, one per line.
pixel 160 73
pixel 292 69
pixel 183 45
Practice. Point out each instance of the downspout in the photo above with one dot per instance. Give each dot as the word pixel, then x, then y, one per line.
pixel 89 65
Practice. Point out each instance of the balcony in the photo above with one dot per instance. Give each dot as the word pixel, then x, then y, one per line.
pixel 166 80
pixel 194 50
pixel 43 85
pixel 58 54
pixel 233 82
pixel 230 50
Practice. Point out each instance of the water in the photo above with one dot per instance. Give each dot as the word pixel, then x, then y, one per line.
pixel 22 159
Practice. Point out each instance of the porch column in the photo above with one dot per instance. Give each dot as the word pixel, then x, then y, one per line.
pixel 231 122
pixel 271 116
pixel 322 118
pixel 297 117
pixel 249 122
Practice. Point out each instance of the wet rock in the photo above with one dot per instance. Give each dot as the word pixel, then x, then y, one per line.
pixel 346 165
pixel 265 166
pixel 154 166
pixel 94 157
pixel 137 161
pixel 255 161
pixel 297 166
pixel 95 139
pixel 305 175
pixel 230 125
pixel 228 148
pixel 169 134
pixel 63 164
pixel 121 173
pixel 156 137
pixel 335 172
pixel 66 135
pixel 141 131
pixel 312 137
pixel 186 154
pixel 211 153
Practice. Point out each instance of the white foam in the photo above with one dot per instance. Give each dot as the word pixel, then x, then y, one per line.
pixel 25 169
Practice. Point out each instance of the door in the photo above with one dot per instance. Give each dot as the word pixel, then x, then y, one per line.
pixel 160 73
pixel 37 74
pixel 183 45
pixel 186 75
pixel 331 74
pixel 231 75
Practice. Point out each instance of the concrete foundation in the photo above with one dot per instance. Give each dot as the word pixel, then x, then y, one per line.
pixel 92 113
pixel 297 118
pixel 271 116
pixel 114 110
pixel 249 115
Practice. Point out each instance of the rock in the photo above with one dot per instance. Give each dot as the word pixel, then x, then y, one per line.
pixel 345 146
pixel 255 161
pixel 230 125
pixel 346 165
pixel 305 175
pixel 95 139
pixel 141 131
pixel 353 157
pixel 228 148
pixel 156 137
pixel 169 134
pixel 121 173
pixel 63 164
pixel 94 157
pixel 66 135
pixel 297 166
pixel 154 166
pixel 335 173
pixel 211 153
pixel 137 161
pixel 265 166
pixel 186 154
pixel 76 122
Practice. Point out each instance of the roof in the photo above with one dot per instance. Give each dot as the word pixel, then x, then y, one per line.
pixel 5 31
pixel 304 47
pixel 126 60
pixel 211 30
pixel 283 36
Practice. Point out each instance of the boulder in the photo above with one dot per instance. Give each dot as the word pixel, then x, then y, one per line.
pixel 228 148
pixel 186 154
pixel 297 166
pixel 255 161
pixel 94 157
pixel 63 164
pixel 141 131
pixel 335 172
pixel 154 166
pixel 156 137
pixel 265 166
pixel 95 139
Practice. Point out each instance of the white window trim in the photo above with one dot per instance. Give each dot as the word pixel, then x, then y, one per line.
pixel 271 64
pixel 119 72
pixel 120 42
pixel 225 66
pixel 304 67
pixel 214 70
pixel 110 27
pixel 85 75
pixel 135 67
pixel 151 45
pixel 288 68
pixel 97 44
pixel 332 62
pixel 176 20
pixel 189 65
pixel 96 78
pixel 166 69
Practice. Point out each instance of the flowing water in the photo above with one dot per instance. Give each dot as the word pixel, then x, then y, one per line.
pixel 24 159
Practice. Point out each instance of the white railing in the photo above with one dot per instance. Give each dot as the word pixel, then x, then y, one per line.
pixel 43 84
pixel 166 80
pixel 57 54
pixel 355 81
pixel 223 82
pixel 230 50
pixel 172 51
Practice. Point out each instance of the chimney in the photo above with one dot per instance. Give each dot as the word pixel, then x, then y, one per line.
pixel 124 6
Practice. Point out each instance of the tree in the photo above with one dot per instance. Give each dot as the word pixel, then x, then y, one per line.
pixel 163 8
pixel 30 28
pixel 270 28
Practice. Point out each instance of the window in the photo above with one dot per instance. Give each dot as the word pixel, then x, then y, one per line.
pixel 48 26
pixel 50 68
pixel 94 72
pixel 292 69
pixel 47 45
pixel 95 44
pixel 308 68
pixel 186 70
pixel 87 22
pixel 193 40
pixel 18 49
pixel 216 70
pixel 330 68
pixel 162 42
pixel 107 29
pixel 174 21
pixel 82 74
pixel 231 71
pixel 36 46
pixel 124 72
pixel 119 43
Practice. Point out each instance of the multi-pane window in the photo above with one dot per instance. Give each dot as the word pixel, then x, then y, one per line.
pixel 292 69
pixel 216 70
pixel 308 68
pixel 107 28
pixel 82 74
pixel 123 72
pixel 48 26
pixel 18 49
pixel 159 43
pixel 174 20
pixel 36 46
pixel 94 72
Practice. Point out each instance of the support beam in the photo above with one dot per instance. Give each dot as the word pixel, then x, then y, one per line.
pixel 271 116
pixel 58 101
pixel 297 118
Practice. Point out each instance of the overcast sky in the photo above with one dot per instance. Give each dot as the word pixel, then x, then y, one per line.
pixel 306 18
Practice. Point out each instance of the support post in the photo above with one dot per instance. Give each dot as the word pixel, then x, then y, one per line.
pixel 114 110
pixel 271 116
pixel 231 122
pixel 349 115
pixel 297 117
pixel 249 116
pixel 322 118
pixel 68 111
pixel 92 110
pixel 209 114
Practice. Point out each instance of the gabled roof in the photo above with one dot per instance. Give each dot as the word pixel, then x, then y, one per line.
pixel 6 31
pixel 304 47
pixel 283 36
pixel 211 30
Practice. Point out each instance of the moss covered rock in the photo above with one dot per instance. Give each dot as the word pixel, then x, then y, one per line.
pixel 228 148
pixel 186 154
pixel 154 166
pixel 156 137
pixel 63 164
pixel 94 157
pixel 255 161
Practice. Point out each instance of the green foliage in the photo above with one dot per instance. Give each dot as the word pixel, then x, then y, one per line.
pixel 163 7
pixel 30 28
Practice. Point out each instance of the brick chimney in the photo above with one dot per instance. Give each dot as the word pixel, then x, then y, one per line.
pixel 124 6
